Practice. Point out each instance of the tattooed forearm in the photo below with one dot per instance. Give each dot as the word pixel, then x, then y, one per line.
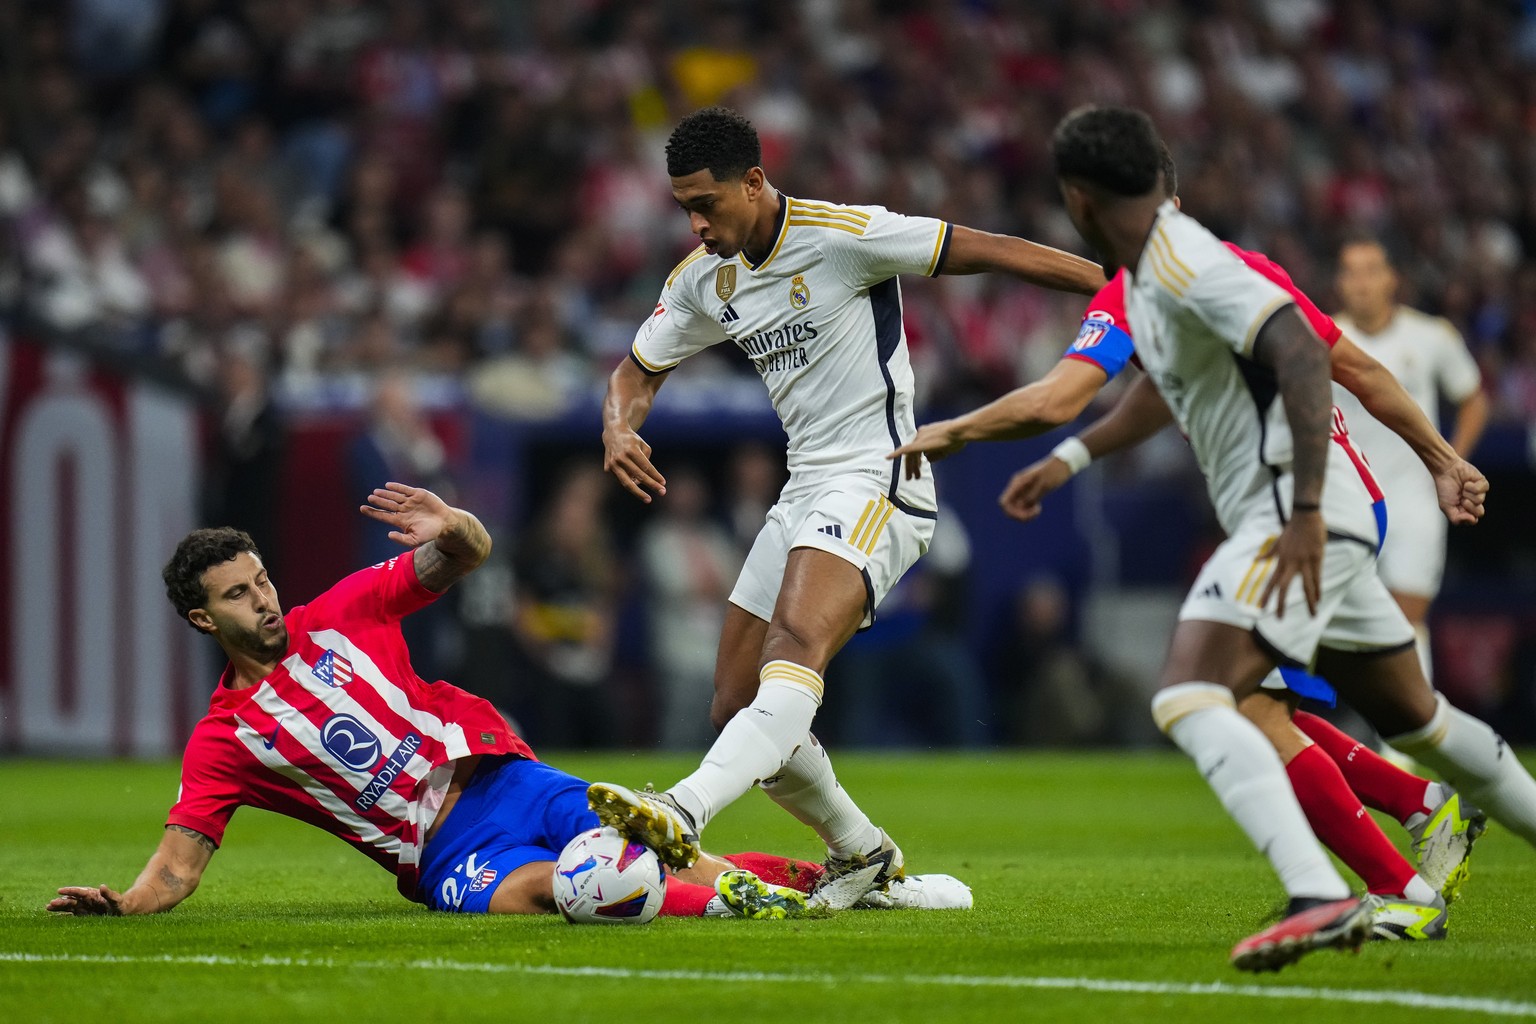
pixel 1300 362
pixel 454 554
pixel 195 836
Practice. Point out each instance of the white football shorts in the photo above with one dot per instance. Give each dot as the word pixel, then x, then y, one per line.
pixel 848 516
pixel 1355 613
pixel 1413 558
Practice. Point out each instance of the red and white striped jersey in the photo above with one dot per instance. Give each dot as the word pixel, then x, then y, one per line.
pixel 343 733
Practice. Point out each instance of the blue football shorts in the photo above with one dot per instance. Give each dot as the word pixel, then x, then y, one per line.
pixel 512 812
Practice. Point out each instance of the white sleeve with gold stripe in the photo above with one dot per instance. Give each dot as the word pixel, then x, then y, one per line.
pixel 676 329
pixel 870 244
pixel 1234 300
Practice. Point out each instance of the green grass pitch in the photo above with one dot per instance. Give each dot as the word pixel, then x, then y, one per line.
pixel 1108 887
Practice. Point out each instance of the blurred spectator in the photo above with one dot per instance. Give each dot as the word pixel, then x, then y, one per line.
pixel 245 467
pixel 756 475
pixel 688 565
pixel 1051 693
pixel 568 586
pixel 400 444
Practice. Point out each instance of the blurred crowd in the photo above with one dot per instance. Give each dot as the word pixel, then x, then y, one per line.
pixel 476 187
pixel 300 202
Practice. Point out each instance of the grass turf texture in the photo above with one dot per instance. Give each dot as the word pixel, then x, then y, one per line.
pixel 1098 866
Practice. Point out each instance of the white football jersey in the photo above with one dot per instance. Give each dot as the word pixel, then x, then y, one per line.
pixel 820 319
pixel 1429 359
pixel 1197 309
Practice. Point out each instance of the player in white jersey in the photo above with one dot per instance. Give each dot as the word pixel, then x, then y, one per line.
pixel 1429 359
pixel 808 290
pixel 1248 382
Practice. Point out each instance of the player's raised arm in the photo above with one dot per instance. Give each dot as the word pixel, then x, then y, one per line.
pixel 1052 401
pixel 1459 485
pixel 631 392
pixel 450 543
pixel 976 252
pixel 170 876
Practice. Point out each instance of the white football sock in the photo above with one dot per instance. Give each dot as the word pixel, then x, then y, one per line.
pixel 1247 776
pixel 755 743
pixel 1419 891
pixel 808 788
pixel 1478 762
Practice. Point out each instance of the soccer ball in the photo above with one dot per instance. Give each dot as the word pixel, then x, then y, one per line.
pixel 603 878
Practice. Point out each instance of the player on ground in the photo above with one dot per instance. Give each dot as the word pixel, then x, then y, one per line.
pixel 1428 357
pixel 1407 904
pixel 320 717
pixel 808 290
pixel 1247 381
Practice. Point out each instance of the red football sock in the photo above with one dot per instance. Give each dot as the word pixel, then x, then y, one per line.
pixel 1377 781
pixel 1335 814
pixel 684 899
pixel 776 870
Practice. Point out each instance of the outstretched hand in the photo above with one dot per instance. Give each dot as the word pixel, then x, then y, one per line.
pixel 936 440
pixel 414 514
pixel 1027 489
pixel 1462 489
pixel 84 901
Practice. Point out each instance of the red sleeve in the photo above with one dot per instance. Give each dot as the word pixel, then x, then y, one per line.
pixel 209 791
pixel 386 592
pixel 1321 322
pixel 1108 303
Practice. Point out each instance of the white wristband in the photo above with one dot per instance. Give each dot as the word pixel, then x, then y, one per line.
pixel 1074 453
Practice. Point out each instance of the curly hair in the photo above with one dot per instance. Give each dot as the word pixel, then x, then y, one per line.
pixel 196 554
pixel 1116 149
pixel 716 139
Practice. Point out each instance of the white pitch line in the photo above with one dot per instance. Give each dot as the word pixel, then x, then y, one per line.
pixel 1375 997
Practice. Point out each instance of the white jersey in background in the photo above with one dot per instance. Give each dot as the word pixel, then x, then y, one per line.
pixel 820 319
pixel 1429 359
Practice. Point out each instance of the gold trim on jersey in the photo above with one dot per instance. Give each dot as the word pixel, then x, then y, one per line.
pixel 938 247
pixel 807 223
pixel 1281 301
pixel 684 265
pixel 1162 233
pixel 1255 574
pixel 654 368
pixel 784 204
pixel 1172 279
pixel 809 208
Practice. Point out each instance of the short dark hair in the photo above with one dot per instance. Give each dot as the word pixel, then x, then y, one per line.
pixel 716 139
pixel 1364 236
pixel 1170 173
pixel 198 552
pixel 1116 149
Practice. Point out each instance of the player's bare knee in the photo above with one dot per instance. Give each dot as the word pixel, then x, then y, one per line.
pixel 528 890
pixel 1174 703
pixel 796 641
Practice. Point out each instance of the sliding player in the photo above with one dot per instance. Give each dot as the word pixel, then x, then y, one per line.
pixel 321 717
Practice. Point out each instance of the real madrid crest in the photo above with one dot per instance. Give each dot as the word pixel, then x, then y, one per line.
pixel 799 292
pixel 725 282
